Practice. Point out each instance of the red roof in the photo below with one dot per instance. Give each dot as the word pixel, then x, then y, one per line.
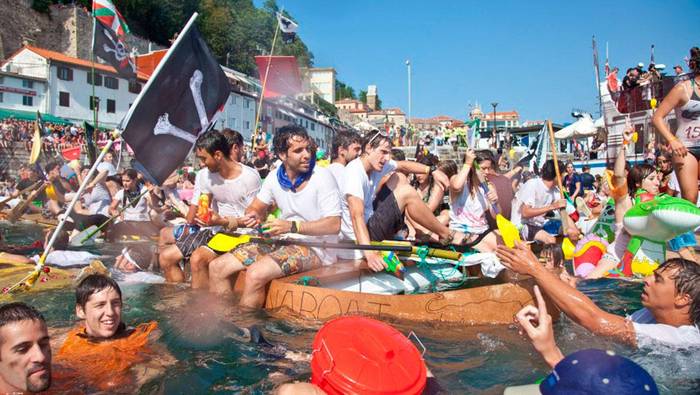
pixel 59 57
pixel 147 63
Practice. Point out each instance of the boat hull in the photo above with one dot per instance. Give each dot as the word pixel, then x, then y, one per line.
pixel 487 304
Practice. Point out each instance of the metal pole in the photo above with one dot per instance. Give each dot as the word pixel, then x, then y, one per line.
pixel 495 135
pixel 262 93
pixel 408 63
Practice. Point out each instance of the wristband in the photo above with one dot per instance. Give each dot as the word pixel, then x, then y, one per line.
pixel 298 226
pixel 293 227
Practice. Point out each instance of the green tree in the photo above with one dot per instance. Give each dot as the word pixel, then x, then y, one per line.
pixel 363 98
pixel 343 91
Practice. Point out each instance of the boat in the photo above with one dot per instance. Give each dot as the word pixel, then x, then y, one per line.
pixel 341 289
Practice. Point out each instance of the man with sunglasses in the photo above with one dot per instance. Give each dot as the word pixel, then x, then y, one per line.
pixel 373 210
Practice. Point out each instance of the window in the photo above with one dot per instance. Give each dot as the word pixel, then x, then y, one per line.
pixel 246 103
pixel 2 99
pixel 233 100
pixel 247 125
pixel 98 78
pixel 28 84
pixel 232 123
pixel 2 79
pixel 94 101
pixel 313 126
pixel 111 106
pixel 269 111
pixel 64 99
pixel 64 73
pixel 27 100
pixel 134 87
pixel 111 83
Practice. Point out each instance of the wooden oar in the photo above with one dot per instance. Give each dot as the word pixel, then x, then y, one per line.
pixel 18 210
pixel 22 192
pixel 225 242
pixel 562 212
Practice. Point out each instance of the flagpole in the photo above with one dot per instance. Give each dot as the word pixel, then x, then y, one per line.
pixel 161 64
pixel 92 61
pixel 31 278
pixel 262 94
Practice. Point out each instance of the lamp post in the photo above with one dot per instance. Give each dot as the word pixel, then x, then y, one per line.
pixel 408 65
pixel 495 135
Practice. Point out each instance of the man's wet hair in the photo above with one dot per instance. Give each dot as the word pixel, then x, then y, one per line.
pixel 212 141
pixel 548 171
pixel 374 139
pixel 687 281
pixel 343 139
pixel 233 137
pixel 92 284
pixel 18 311
pixel 50 166
pixel 280 143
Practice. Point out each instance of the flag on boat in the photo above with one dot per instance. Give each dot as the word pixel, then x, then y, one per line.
pixel 107 14
pixel 288 28
pixel 538 150
pixel 112 48
pixel 90 142
pixel 36 140
pixel 180 101
pixel 472 132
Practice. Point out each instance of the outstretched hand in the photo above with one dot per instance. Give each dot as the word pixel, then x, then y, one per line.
pixel 519 258
pixel 537 324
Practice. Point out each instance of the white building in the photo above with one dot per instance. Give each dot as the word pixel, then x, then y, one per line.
pixel 66 89
pixel 242 104
pixel 322 81
pixel 22 92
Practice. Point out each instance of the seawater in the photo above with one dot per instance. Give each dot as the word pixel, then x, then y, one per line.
pixel 198 331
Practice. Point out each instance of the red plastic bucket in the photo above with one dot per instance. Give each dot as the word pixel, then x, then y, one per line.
pixel 359 355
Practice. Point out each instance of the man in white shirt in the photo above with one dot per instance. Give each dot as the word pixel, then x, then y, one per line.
pixel 231 186
pixel 374 213
pixel 671 300
pixel 345 148
pixel 533 200
pixel 308 200
pixel 100 192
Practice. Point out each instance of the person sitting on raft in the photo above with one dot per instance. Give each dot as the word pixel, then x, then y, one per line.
pixel 537 197
pixel 231 186
pixel 135 218
pixel 471 201
pixel 433 187
pixel 588 371
pixel 25 350
pixel 102 350
pixel 373 214
pixel 671 300
pixel 309 205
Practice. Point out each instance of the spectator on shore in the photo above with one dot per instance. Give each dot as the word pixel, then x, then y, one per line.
pixel 678 69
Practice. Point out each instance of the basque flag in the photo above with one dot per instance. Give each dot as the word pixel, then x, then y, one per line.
pixel 180 101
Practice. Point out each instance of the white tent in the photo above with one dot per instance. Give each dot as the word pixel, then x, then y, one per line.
pixel 584 127
pixel 364 126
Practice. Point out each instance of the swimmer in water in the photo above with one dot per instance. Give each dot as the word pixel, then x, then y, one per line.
pixel 102 351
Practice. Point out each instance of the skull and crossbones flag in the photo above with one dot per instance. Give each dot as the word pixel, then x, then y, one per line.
pixel 181 100
pixel 112 48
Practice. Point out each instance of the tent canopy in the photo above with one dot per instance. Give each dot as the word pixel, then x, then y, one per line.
pixel 31 116
pixel 584 127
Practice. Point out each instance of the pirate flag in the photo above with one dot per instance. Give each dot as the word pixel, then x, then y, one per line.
pixel 113 50
pixel 180 101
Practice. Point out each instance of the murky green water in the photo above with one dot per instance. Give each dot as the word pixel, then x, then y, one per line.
pixel 197 329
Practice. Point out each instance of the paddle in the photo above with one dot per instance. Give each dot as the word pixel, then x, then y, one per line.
pixel 20 193
pixel 18 210
pixel 84 236
pixel 225 242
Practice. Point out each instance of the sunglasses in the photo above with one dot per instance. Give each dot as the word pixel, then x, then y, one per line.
pixel 377 134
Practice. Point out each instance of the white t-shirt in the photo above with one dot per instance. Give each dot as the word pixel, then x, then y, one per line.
pixel 468 211
pixel 230 197
pixel 357 183
pixel 199 178
pixel 134 213
pixel 647 329
pixel 99 199
pixel 338 172
pixel 536 195
pixel 318 199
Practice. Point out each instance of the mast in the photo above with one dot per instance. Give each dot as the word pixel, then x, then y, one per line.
pixel 596 69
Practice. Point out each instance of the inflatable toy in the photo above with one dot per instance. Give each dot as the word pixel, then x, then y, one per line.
pixel 586 254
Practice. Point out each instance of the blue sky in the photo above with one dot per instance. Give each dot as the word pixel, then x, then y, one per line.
pixel 531 56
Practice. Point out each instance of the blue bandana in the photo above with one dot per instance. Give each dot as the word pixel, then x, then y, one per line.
pixel 286 183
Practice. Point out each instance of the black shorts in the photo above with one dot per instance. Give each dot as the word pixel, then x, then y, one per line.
pixel 695 151
pixel 387 218
pixel 193 240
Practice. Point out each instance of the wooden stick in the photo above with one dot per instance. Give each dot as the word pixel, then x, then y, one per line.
pixel 23 191
pixel 562 212
pixel 18 210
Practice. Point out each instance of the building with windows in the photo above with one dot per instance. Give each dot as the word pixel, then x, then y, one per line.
pixel 320 80
pixel 21 92
pixel 503 120
pixel 62 86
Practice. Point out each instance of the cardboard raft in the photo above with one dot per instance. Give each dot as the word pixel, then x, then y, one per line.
pixel 488 304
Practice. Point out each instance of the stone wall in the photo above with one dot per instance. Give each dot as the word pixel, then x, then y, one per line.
pixel 67 29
